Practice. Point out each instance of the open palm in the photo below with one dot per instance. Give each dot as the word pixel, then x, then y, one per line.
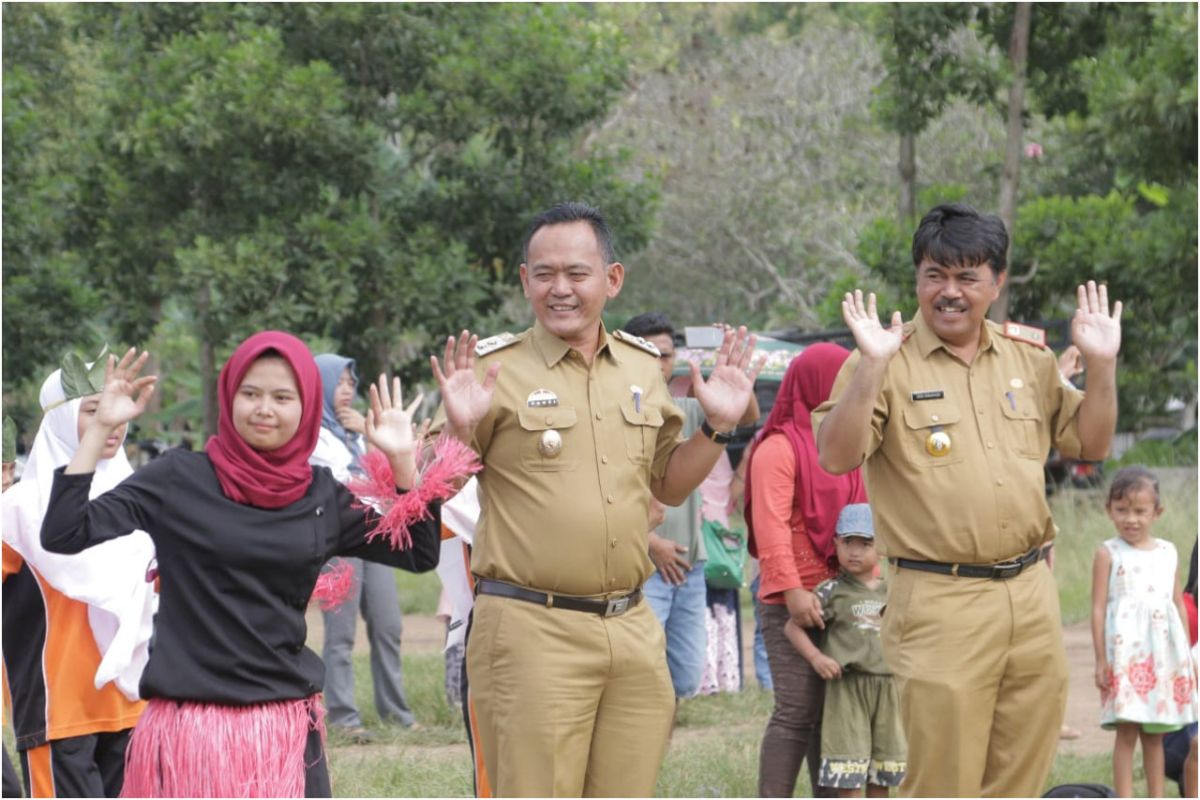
pixel 1094 331
pixel 726 393
pixel 465 398
pixel 389 424
pixel 125 395
pixel 872 339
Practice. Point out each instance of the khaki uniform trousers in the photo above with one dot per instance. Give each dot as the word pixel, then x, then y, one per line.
pixel 567 703
pixel 982 676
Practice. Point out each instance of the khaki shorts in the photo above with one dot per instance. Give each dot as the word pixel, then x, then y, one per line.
pixel 861 737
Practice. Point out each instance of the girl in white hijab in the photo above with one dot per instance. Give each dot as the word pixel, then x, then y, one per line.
pixel 58 673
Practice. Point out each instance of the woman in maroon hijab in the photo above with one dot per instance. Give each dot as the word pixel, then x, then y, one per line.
pixel 241 532
pixel 792 506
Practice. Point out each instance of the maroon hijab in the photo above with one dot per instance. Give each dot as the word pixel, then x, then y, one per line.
pixel 279 477
pixel 820 496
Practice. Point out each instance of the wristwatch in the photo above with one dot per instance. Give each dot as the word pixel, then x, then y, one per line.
pixel 714 435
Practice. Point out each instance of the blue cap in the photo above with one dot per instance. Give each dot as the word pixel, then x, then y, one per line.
pixel 855 520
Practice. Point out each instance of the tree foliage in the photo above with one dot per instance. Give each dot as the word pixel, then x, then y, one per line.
pixel 358 173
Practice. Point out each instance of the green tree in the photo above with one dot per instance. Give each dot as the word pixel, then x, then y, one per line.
pixel 929 60
pixel 46 291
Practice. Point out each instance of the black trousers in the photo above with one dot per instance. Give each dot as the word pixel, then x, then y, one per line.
pixel 316 768
pixel 78 766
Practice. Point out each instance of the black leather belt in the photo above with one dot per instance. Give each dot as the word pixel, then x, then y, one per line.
pixel 997 572
pixel 605 608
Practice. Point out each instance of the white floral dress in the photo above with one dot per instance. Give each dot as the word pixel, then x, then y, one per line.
pixel 1146 641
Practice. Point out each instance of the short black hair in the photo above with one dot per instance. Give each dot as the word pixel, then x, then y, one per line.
pixel 652 323
pixel 573 212
pixel 956 235
pixel 1132 479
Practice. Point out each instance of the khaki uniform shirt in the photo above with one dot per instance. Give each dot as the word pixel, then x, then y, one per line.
pixel 576 523
pixel 984 500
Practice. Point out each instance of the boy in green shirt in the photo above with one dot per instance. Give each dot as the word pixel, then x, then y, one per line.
pixel 861 738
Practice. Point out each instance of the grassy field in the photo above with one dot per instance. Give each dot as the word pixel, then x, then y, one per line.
pixel 714 750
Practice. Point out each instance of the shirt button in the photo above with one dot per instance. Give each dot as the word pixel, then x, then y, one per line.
pixel 612 581
pixel 603 459
pixel 320 511
pixel 980 412
pixel 1003 526
pixel 609 499
pixel 549 420
pixel 1000 481
pixel 597 415
pixel 991 444
pixel 935 418
pixel 614 544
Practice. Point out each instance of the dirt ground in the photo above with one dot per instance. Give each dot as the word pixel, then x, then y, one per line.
pixel 425 633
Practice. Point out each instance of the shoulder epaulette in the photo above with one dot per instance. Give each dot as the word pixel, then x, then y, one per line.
pixel 1024 333
pixel 493 343
pixel 637 341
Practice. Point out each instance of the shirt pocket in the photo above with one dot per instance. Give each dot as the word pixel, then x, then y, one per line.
pixel 641 431
pixel 1023 425
pixel 534 423
pixel 921 422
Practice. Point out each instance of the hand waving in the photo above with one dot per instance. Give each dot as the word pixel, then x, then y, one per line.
pixel 1094 332
pixel 726 393
pixel 873 340
pixel 465 399
pixel 125 395
pixel 389 425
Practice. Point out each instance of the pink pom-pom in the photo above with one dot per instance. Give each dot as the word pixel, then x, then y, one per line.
pixel 333 586
pixel 451 460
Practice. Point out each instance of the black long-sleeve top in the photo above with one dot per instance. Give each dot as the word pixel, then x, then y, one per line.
pixel 234 579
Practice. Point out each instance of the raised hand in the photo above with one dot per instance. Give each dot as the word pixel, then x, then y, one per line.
pixel 389 425
pixel 872 339
pixel 1093 330
pixel 464 397
pixel 726 393
pixel 125 395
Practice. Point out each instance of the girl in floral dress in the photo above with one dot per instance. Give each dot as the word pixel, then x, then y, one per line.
pixel 1143 666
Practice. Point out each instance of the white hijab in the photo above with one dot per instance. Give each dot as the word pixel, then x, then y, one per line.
pixel 110 578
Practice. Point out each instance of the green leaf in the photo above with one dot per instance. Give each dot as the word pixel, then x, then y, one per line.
pixel 1156 193
pixel 80 381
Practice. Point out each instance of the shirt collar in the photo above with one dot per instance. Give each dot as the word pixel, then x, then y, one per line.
pixel 928 341
pixel 554 349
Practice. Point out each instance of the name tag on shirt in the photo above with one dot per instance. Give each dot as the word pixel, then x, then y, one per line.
pixel 934 394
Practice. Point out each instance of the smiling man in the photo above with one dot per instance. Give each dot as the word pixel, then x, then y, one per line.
pixel 569 689
pixel 953 417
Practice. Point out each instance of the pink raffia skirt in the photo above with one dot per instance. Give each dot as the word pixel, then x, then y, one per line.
pixel 186 749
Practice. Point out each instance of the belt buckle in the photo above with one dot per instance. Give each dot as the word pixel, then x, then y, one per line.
pixel 617 607
pixel 1010 569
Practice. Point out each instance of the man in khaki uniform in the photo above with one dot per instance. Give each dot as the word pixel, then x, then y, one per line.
pixel 954 417
pixel 568 679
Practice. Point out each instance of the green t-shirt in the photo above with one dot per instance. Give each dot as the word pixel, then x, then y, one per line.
pixel 682 523
pixel 853 613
